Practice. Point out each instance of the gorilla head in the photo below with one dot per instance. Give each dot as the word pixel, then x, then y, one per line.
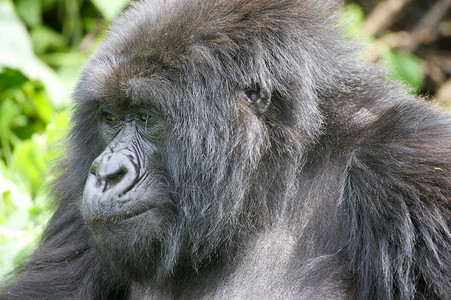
pixel 192 117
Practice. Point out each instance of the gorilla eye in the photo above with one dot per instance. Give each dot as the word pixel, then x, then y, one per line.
pixel 144 118
pixel 109 117
pixel 253 94
pixel 258 97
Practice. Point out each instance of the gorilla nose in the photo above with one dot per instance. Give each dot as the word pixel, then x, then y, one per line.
pixel 114 172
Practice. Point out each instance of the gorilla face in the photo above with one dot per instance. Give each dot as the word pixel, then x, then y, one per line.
pixel 169 183
pixel 126 199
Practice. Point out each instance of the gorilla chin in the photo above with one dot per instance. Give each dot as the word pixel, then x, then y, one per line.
pixel 132 247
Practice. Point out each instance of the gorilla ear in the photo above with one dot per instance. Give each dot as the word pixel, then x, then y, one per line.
pixel 258 98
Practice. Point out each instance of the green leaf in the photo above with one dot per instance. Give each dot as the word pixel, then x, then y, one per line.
pixel 352 18
pixel 16 52
pixel 31 158
pixel 110 8
pixel 45 38
pixel 404 67
pixel 27 165
pixel 29 11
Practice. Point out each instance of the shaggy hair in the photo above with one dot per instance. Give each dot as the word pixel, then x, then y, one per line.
pixel 356 170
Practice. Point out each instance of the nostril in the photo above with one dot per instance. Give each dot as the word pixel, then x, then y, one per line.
pixel 113 179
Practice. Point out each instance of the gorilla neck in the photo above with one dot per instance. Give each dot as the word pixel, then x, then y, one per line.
pixel 265 259
pixel 258 271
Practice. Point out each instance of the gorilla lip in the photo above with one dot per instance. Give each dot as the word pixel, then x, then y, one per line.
pixel 96 218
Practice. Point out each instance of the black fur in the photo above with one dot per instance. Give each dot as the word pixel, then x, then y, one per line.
pixel 293 169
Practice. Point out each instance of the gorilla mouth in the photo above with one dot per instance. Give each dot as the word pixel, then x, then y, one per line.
pixel 116 218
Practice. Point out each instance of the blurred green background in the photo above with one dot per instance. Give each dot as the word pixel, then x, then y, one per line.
pixel 43 45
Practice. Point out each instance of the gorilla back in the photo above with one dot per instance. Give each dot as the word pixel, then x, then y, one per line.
pixel 227 149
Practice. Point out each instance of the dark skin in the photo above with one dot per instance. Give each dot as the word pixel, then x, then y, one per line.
pixel 115 173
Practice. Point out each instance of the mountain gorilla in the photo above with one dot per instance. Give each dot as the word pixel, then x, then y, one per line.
pixel 231 149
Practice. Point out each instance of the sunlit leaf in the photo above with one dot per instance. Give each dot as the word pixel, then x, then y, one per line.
pixel 404 67
pixel 29 11
pixel 110 8
pixel 16 52
pixel 352 17
pixel 45 38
